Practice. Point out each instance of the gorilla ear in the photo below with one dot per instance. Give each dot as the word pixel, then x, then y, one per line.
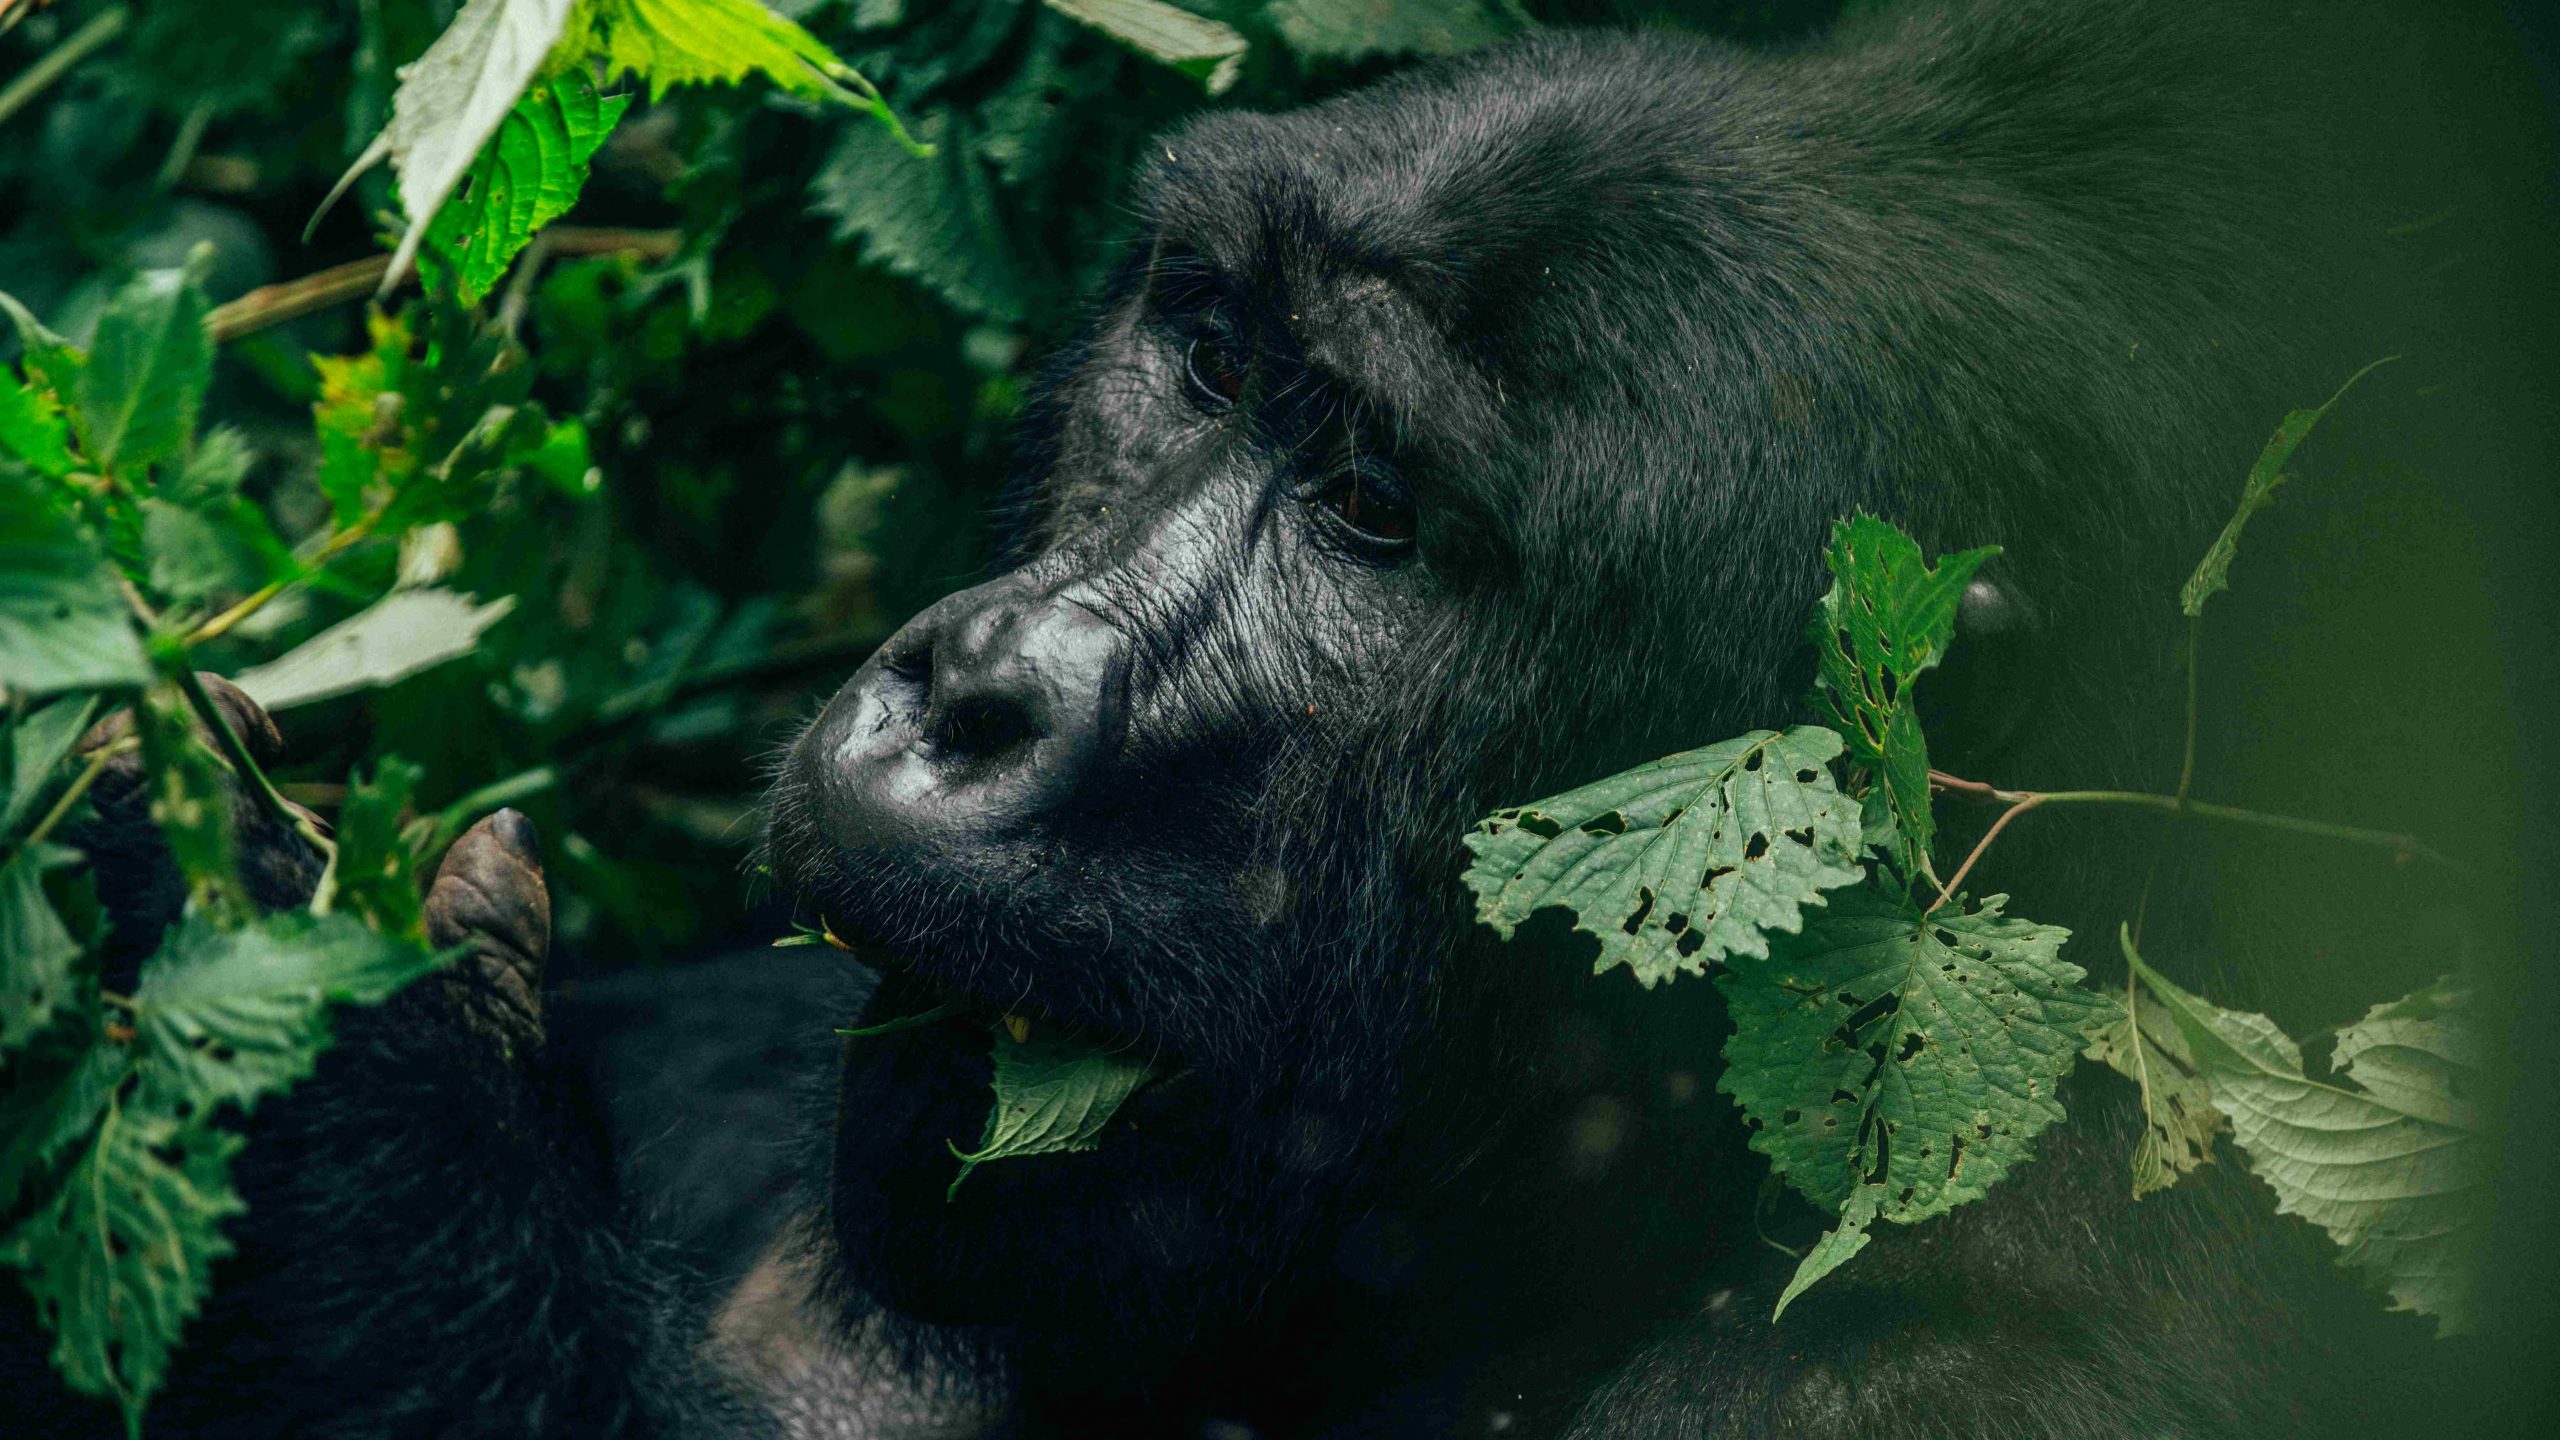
pixel 1992 682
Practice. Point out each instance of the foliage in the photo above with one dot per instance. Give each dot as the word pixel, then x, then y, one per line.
pixel 1896 1050
pixel 1054 1094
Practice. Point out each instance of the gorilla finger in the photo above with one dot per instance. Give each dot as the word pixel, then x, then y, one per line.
pixel 490 899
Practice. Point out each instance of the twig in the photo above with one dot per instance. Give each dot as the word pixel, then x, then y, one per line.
pixel 220 625
pixel 80 784
pixel 271 305
pixel 2404 844
pixel 57 62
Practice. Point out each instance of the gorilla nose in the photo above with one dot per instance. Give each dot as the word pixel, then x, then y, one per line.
pixel 980 718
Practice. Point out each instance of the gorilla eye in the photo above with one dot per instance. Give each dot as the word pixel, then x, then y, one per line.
pixel 1371 499
pixel 1217 381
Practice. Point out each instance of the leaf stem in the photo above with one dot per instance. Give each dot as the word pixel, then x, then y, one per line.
pixel 58 61
pixel 220 625
pixel 2022 806
pixel 79 786
pixel 2405 844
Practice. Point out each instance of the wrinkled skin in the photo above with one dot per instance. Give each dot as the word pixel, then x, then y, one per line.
pixel 1445 445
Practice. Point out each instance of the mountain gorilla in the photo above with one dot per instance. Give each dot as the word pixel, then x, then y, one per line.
pixel 1440 446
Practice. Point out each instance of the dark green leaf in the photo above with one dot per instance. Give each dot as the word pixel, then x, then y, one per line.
pixel 1886 621
pixel 121 1257
pixel 37 954
pixel 36 745
pixel 63 626
pixel 190 800
pixel 237 1014
pixel 56 1087
pixel 373 872
pixel 2213 573
pixel 933 219
pixel 1675 865
pixel 1833 1250
pixel 136 400
pixel 1358 29
pixel 1914 1055
pixel 1054 1093
pixel 1206 50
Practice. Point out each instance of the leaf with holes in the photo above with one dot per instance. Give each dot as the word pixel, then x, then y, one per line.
pixel 235 1015
pixel 1886 621
pixel 1676 865
pixel 121 1256
pixel 2179 1121
pixel 1916 1055
pixel 2397 1170
pixel 2257 492
pixel 1054 1094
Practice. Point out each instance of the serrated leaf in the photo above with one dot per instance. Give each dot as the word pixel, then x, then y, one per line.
pixel 32 427
pixel 213 469
pixel 37 953
pixel 58 1086
pixel 198 551
pixel 1204 49
pixel 121 1257
pixel 365 443
pixel 933 219
pixel 453 98
pixel 136 400
pixel 397 636
pixel 528 175
pixel 373 874
pixel 1358 29
pixel 1885 622
pixel 1917 1055
pixel 63 626
pixel 1833 1250
pixel 1054 1094
pixel 51 362
pixel 2257 492
pixel 2179 1122
pixel 36 745
pixel 1681 863
pixel 2397 1172
pixel 238 1014
pixel 717 42
pixel 190 800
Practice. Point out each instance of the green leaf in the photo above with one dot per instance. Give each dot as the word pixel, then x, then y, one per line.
pixel 1206 50
pixel 238 1014
pixel 452 99
pixel 933 219
pixel 50 362
pixel 1675 865
pixel 1914 1055
pixel 37 954
pixel 2144 1045
pixel 136 400
pixel 399 635
pixel 63 625
pixel 374 874
pixel 58 1086
pixel 1833 1250
pixel 718 42
pixel 121 1257
pixel 214 469
pixel 364 442
pixel 1886 621
pixel 2213 573
pixel 527 176
pixel 1054 1093
pixel 1341 30
pixel 190 799
pixel 32 427
pixel 36 745
pixel 2397 1171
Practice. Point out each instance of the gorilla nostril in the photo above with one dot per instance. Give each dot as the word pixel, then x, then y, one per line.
pixel 982 730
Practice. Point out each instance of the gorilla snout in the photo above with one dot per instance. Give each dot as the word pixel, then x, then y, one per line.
pixel 974 724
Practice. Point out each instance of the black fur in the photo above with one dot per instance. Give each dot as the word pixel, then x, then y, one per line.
pixel 1634 318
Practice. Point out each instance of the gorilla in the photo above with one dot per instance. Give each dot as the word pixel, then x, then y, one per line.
pixel 1451 442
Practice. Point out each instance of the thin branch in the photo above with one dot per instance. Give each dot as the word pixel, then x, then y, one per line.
pixel 80 784
pixel 272 305
pixel 1946 891
pixel 58 61
pixel 2404 844
pixel 220 625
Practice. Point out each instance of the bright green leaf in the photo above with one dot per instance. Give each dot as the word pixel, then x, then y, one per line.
pixel 136 400
pixel 527 176
pixel 1675 865
pixel 37 954
pixel 121 1256
pixel 32 427
pixel 237 1014
pixel 1358 29
pixel 718 42
pixel 1207 51
pixel 364 440
pixel 1914 1054
pixel 373 875
pixel 51 364
pixel 63 626
pixel 2213 573
pixel 1054 1093
pixel 1886 621
pixel 36 745
pixel 2397 1171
